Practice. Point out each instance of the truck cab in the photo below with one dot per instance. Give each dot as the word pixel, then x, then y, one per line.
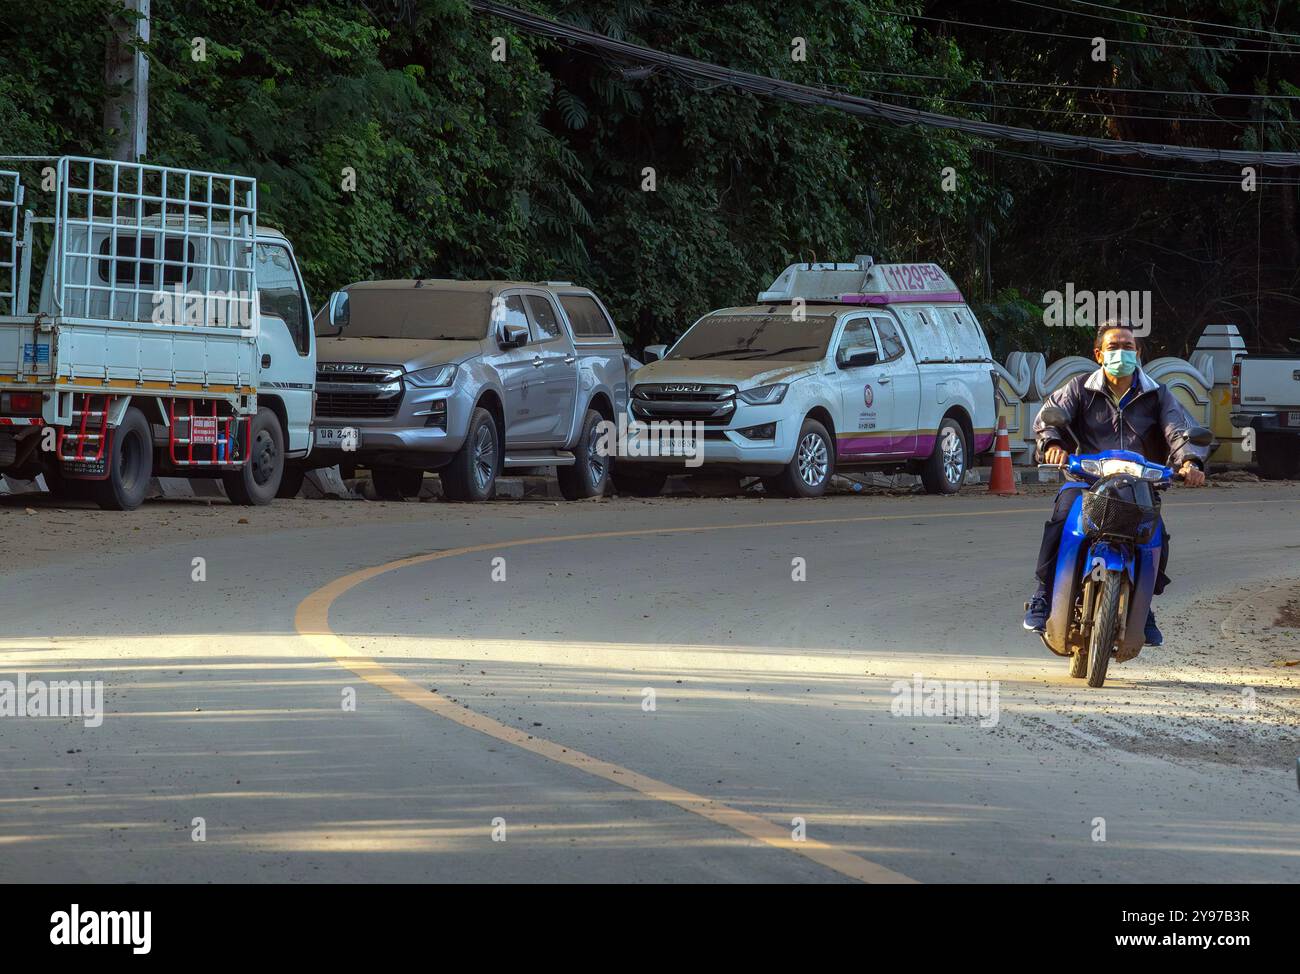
pixel 467 378
pixel 839 366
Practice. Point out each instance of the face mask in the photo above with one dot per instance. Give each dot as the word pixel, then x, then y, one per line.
pixel 1119 362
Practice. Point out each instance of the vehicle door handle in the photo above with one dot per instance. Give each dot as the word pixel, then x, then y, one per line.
pixel 570 359
pixel 884 380
pixel 537 362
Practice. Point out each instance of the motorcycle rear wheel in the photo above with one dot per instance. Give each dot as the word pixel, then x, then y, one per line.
pixel 1105 627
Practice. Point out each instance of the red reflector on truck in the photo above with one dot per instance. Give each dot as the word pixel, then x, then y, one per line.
pixel 20 403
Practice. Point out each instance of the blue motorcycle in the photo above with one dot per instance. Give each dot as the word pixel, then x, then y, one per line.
pixel 1110 555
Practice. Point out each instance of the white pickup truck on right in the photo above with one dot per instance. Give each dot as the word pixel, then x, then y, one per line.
pixel 839 365
pixel 1266 399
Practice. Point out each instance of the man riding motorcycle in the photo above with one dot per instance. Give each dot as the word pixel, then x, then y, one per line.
pixel 1118 407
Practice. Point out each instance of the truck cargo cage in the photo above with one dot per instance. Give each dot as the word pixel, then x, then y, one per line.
pixel 207 428
pixel 11 202
pixel 142 243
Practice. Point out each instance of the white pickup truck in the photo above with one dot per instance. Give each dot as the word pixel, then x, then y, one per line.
pixel 840 365
pixel 1266 399
pixel 170 334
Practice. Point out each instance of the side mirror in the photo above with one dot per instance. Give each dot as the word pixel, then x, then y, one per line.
pixel 654 353
pixel 513 336
pixel 339 311
pixel 1054 416
pixel 1200 436
pixel 857 357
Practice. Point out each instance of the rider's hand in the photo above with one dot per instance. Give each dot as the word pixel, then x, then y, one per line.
pixel 1193 476
pixel 1056 455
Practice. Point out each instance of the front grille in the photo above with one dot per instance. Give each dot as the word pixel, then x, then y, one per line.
pixel 348 391
pixel 712 405
pixel 355 405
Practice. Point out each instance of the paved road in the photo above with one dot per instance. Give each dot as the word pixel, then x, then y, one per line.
pixel 680 690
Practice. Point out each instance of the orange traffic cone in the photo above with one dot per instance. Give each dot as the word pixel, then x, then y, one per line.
pixel 1003 479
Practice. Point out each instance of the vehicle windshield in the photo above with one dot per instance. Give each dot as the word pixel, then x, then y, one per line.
pixel 774 337
pixel 410 312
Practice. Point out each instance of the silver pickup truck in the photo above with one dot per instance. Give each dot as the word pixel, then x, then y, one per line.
pixel 467 378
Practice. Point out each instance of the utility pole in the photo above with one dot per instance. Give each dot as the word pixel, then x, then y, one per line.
pixel 126 70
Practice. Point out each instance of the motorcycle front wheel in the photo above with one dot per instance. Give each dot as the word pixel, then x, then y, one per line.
pixel 1105 626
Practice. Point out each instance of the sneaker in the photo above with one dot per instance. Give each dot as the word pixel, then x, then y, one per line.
pixel 1037 610
pixel 1154 637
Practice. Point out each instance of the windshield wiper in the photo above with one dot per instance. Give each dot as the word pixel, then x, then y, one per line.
pixel 722 353
pixel 764 353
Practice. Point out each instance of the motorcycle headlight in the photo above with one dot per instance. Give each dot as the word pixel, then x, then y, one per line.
pixel 764 395
pixel 434 378
pixel 1152 473
pixel 1090 466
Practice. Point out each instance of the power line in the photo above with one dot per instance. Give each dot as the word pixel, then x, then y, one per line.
pixel 799 94
pixel 1061 84
pixel 1079 37
pixel 1194 119
pixel 1130 23
pixel 1137 171
pixel 1185 20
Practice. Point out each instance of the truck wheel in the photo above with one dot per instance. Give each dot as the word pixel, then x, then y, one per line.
pixel 396 483
pixel 589 476
pixel 945 470
pixel 130 465
pixel 291 481
pixel 472 473
pixel 809 471
pixel 637 483
pixel 1277 457
pixel 258 480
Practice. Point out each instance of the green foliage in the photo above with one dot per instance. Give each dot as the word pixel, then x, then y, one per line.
pixel 533 167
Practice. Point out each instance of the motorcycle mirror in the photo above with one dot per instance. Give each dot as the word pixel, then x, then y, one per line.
pixel 1200 436
pixel 1054 416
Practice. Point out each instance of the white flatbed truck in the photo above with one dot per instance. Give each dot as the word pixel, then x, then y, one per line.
pixel 170 335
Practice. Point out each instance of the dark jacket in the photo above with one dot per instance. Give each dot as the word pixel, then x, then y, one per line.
pixel 1152 422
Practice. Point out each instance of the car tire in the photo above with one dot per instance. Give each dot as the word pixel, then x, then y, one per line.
pixel 810 469
pixel 291 481
pixel 630 482
pixel 945 469
pixel 130 465
pixel 258 480
pixel 396 483
pixel 472 474
pixel 589 475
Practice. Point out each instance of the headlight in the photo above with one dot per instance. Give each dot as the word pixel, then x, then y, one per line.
pixel 436 377
pixel 764 395
pixel 1152 473
pixel 1090 466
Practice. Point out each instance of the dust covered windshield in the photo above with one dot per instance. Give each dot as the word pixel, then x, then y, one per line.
pixel 412 312
pixel 776 337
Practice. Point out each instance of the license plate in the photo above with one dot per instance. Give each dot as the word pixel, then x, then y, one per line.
pixel 337 436
pixel 1293 418
pixel 682 444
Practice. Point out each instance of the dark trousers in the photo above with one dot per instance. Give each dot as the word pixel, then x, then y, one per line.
pixel 1055 528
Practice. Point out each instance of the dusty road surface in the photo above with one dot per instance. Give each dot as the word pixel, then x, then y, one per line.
pixel 669 690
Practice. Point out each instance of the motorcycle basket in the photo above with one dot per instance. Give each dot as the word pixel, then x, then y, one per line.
pixel 1109 516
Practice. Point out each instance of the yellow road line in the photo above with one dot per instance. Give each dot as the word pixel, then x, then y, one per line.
pixel 312 623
